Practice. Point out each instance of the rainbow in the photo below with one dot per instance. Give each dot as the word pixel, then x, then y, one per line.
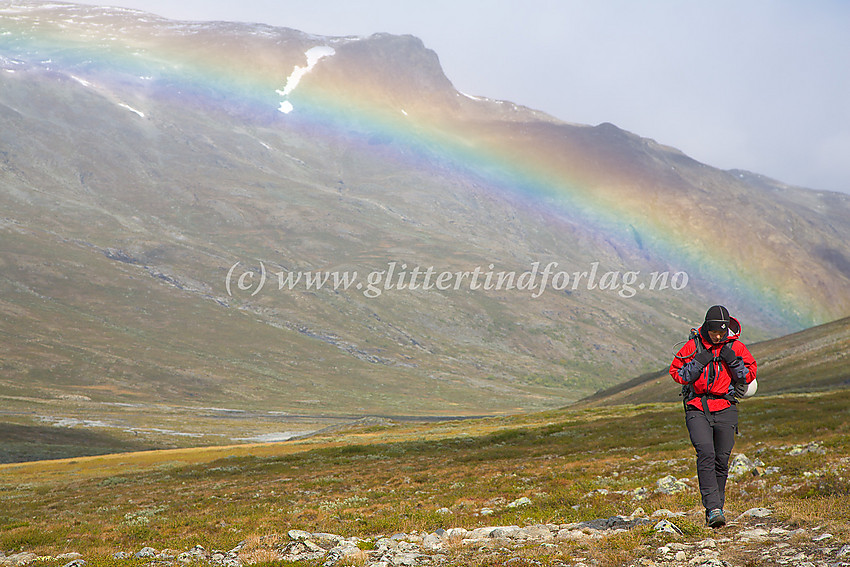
pixel 165 65
pixel 541 183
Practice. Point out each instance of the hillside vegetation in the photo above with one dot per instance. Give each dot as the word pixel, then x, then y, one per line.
pixel 71 426
pixel 815 359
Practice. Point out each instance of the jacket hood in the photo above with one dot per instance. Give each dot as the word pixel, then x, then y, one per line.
pixel 733 333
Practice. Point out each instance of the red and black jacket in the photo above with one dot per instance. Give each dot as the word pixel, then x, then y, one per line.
pixel 711 385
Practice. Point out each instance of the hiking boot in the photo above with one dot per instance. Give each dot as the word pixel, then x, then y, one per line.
pixel 715 518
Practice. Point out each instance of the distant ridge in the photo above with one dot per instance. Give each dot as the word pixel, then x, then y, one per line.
pixel 812 360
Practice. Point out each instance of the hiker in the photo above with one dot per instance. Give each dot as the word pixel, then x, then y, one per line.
pixel 716 370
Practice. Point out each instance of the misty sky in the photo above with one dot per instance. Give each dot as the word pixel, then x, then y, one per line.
pixel 762 85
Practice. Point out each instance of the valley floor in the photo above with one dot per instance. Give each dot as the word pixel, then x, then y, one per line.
pixel 612 486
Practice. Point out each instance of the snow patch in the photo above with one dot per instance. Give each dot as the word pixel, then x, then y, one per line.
pixel 6 62
pixel 314 55
pixel 131 109
pixel 17 9
pixel 83 82
pixel 345 39
pixel 296 160
pixel 478 98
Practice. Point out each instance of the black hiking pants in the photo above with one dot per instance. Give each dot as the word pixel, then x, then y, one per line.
pixel 713 438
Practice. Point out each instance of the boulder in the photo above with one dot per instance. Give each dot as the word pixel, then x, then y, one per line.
pixel 297 535
pixel 756 534
pixel 613 523
pixel 19 559
pixel 539 532
pixel 327 540
pixel 756 513
pixel 813 447
pixel 345 551
pixel 504 532
pixel 670 485
pixel 667 527
pixel 519 502
pixel 146 552
pixel 741 465
pixel 432 542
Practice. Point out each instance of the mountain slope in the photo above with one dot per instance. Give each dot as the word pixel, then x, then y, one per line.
pixel 150 170
pixel 807 361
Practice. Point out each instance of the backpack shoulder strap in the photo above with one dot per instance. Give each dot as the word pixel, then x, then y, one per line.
pixel 698 346
pixel 687 392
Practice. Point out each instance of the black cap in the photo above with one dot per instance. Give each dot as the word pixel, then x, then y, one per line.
pixel 717 318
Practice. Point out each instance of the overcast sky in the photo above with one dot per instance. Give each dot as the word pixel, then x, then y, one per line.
pixel 762 85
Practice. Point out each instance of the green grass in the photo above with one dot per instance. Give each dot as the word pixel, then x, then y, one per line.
pixel 384 480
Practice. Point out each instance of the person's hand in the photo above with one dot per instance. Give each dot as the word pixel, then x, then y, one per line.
pixel 728 355
pixel 740 389
pixel 704 357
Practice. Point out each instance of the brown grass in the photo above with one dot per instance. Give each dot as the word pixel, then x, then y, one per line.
pixel 385 480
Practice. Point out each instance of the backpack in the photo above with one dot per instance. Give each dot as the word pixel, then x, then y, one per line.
pixel 687 394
